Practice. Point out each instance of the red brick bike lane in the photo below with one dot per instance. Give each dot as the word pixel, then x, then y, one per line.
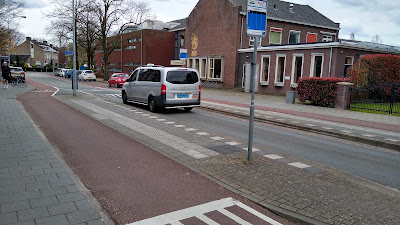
pixel 131 181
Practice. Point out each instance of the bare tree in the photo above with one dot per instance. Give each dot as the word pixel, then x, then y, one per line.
pixel 376 39
pixel 352 36
pixel 138 11
pixel 10 9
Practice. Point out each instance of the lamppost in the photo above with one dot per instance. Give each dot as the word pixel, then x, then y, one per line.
pixel 9 39
pixel 74 78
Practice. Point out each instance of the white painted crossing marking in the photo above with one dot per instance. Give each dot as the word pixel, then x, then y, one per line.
pixel 299 165
pixel 310 125
pixel 232 143
pixel 368 135
pixel 190 129
pixel 114 95
pixel 139 112
pixel 200 211
pixel 145 114
pixel 202 133
pixel 161 119
pixel 294 122
pixel 253 149
pixel 346 131
pixel 217 138
pixel 153 117
pixel 273 156
pixel 327 128
pixel 132 110
pixel 389 139
pixel 179 126
pixel 169 122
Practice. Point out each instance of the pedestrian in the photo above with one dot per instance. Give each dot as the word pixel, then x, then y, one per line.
pixel 5 71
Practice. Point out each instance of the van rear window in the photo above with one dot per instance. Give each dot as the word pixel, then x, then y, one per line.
pixel 182 77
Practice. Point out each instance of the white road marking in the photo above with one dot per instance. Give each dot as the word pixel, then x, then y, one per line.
pixel 217 138
pixel 368 135
pixel 153 117
pixel 139 112
pixel 388 139
pixel 310 125
pixel 169 122
pixel 327 128
pixel 346 131
pixel 273 156
pixel 132 110
pixel 190 129
pixel 179 126
pixel 161 119
pixel 253 149
pixel 299 165
pixel 233 143
pixel 202 133
pixel 145 114
pixel 200 211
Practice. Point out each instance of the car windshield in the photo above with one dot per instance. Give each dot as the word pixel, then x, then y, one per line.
pixel 124 75
pixel 88 71
pixel 16 69
pixel 182 77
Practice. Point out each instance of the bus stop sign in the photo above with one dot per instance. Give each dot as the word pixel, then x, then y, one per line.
pixel 256 18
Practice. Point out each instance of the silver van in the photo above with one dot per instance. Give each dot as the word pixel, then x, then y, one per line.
pixel 163 87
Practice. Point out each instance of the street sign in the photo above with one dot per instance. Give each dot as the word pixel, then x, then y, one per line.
pixel 69 52
pixel 256 18
pixel 177 62
pixel 183 54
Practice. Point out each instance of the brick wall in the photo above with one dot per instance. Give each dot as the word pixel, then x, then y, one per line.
pixel 215 24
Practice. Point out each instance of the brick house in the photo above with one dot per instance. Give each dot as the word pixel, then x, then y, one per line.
pixel 138 48
pixel 37 53
pixel 216 30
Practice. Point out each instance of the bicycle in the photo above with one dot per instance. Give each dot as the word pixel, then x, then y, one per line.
pixel 18 81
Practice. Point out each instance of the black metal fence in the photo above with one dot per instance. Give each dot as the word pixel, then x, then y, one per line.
pixel 382 98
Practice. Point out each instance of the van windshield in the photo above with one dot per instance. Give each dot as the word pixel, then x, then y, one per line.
pixel 182 77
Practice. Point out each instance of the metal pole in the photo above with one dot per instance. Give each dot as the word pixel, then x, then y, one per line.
pixel 252 87
pixel 9 44
pixel 74 80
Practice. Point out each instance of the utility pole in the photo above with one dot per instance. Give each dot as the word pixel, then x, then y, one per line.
pixel 74 78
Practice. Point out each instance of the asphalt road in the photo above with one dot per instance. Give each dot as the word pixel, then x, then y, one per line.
pixel 375 164
pixel 130 180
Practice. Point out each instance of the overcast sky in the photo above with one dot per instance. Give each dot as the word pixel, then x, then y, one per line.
pixel 365 18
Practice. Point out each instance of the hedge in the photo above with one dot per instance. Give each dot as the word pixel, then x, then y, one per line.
pixel 320 91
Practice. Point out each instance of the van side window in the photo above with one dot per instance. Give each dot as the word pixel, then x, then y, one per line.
pixel 143 74
pixel 154 75
pixel 133 76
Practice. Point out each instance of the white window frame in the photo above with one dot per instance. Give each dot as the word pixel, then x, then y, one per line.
pixel 252 40
pixel 203 69
pixel 270 30
pixel 295 55
pixel 352 60
pixel 313 55
pixel 263 82
pixel 294 31
pixel 209 75
pixel 327 38
pixel 311 33
pixel 189 62
pixel 282 83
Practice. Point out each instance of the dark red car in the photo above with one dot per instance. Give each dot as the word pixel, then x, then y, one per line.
pixel 117 79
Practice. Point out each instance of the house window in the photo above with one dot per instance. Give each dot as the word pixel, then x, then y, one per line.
pixel 297 69
pixel 327 38
pixel 280 70
pixel 275 36
pixel 181 40
pixel 264 72
pixel 189 63
pixel 311 37
pixel 317 64
pixel 215 69
pixel 202 67
pixel 348 62
pixel 294 37
pixel 252 40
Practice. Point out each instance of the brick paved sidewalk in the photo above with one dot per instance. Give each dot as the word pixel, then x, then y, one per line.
pixel 36 186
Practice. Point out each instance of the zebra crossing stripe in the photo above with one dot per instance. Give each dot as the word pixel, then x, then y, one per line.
pixel 200 211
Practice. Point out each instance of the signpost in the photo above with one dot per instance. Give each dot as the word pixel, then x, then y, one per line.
pixel 257 28
pixel 69 52
pixel 183 54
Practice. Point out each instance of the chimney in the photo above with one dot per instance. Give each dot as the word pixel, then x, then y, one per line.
pixel 45 42
pixel 291 8
pixel 28 39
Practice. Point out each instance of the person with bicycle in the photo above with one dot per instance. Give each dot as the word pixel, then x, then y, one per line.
pixel 5 71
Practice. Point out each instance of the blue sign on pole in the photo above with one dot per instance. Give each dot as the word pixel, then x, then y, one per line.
pixel 69 52
pixel 256 18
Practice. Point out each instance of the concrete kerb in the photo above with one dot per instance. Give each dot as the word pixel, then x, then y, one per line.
pixel 92 200
pixel 349 137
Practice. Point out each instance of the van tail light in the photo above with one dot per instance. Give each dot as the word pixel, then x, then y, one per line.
pixel 163 89
pixel 199 89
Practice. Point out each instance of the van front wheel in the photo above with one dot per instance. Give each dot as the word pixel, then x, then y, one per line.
pixel 124 98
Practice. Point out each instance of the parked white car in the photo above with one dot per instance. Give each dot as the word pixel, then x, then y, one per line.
pixel 163 87
pixel 60 72
pixel 86 75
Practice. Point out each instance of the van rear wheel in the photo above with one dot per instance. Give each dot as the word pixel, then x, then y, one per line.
pixel 152 105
